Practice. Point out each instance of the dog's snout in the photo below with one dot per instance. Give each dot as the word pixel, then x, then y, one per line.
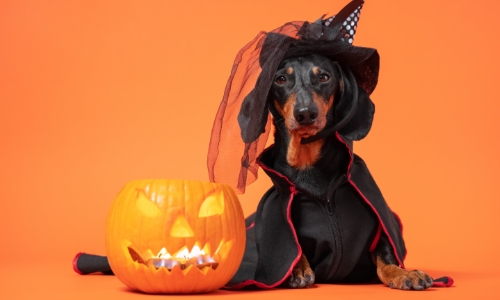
pixel 306 116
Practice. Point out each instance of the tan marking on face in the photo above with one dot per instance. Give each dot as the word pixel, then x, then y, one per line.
pixel 287 111
pixel 278 107
pixel 289 70
pixel 298 155
pixel 323 109
pixel 315 70
pixel 303 156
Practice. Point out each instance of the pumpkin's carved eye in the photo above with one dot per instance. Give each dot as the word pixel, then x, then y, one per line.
pixel 146 206
pixel 212 205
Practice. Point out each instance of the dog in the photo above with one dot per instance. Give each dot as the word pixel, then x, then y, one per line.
pixel 302 101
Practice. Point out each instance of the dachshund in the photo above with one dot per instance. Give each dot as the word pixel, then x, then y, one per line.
pixel 302 100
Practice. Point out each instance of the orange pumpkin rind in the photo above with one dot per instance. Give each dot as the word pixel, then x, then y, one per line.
pixel 143 218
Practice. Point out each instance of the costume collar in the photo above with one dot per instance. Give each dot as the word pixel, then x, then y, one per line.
pixel 280 180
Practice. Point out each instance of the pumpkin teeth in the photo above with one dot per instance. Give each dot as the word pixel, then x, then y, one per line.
pixel 188 269
pixel 205 270
pixel 186 259
pixel 183 253
pixel 176 269
pixel 206 248
pixel 220 245
pixel 163 253
pixel 195 250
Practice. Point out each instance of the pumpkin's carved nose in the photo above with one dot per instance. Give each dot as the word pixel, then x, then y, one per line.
pixel 181 228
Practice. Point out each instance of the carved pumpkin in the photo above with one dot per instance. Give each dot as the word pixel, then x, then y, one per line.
pixel 175 236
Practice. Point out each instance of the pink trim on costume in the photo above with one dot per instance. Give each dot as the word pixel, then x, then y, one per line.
pixel 401 228
pixel 442 284
pixel 293 192
pixel 75 260
pixel 366 200
pixel 399 221
pixel 251 225
pixel 249 282
pixel 375 240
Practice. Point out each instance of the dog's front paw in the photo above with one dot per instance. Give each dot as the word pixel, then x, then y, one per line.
pixel 407 280
pixel 302 275
pixel 300 278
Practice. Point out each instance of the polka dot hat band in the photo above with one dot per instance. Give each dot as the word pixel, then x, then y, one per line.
pixel 348 29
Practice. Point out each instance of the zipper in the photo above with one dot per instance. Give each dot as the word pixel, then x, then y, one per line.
pixel 328 207
pixel 334 223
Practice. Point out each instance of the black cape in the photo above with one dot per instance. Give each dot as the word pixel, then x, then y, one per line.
pixel 336 234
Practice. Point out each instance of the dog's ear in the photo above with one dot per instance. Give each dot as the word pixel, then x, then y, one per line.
pixel 361 120
pixel 252 118
pixel 254 111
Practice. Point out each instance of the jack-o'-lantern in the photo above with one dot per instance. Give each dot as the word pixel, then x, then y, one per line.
pixel 175 236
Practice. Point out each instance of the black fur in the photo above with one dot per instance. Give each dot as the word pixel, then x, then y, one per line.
pixel 331 165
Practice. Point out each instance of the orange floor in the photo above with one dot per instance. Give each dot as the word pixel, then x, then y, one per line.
pixel 58 281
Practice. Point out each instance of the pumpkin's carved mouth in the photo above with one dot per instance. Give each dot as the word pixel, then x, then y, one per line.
pixel 184 259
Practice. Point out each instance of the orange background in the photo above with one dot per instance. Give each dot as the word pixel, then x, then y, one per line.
pixel 96 93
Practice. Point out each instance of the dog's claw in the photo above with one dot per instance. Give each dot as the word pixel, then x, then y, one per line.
pixel 421 283
pixel 301 282
pixel 292 282
pixel 310 279
pixel 408 284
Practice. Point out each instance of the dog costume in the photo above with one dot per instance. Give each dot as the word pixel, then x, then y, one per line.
pixel 336 233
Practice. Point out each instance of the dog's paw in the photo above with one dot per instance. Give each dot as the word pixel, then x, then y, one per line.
pixel 411 280
pixel 300 278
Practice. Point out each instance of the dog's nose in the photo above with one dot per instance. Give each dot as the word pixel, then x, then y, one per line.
pixel 305 116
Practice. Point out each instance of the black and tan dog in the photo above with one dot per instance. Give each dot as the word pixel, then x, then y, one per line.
pixel 324 219
pixel 302 101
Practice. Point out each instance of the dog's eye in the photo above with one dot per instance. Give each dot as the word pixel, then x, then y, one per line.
pixel 281 80
pixel 324 77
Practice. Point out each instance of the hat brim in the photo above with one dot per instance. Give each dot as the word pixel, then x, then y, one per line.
pixel 363 62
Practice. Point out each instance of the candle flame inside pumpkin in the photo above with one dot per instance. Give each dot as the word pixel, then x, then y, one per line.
pixel 182 258
pixel 184 253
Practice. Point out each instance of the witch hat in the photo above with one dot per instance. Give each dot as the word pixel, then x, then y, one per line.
pixel 242 123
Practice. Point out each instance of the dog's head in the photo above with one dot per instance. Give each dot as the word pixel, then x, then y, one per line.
pixel 303 93
pixel 311 93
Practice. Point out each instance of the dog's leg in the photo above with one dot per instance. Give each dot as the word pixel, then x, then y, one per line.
pixel 392 275
pixel 302 275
